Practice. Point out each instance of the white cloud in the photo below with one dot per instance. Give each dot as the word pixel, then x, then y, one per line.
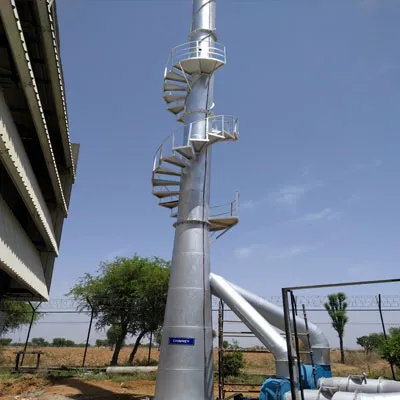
pixel 243 252
pixel 325 214
pixel 289 195
pixel 291 251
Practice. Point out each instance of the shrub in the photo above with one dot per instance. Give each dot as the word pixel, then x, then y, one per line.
pixel 5 341
pixel 233 362
pixel 143 362
pixel 390 350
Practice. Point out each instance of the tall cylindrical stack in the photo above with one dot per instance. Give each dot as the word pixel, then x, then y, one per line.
pixel 186 362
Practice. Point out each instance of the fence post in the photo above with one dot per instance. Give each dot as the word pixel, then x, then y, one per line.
pixel 291 358
pixel 149 356
pixel 220 350
pixel 34 309
pixel 384 329
pixel 88 334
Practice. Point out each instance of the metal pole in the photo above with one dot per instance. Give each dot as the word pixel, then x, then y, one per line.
pixel 29 330
pixel 149 356
pixel 384 330
pixel 88 334
pixel 309 346
pixel 296 342
pixel 221 378
pixel 288 332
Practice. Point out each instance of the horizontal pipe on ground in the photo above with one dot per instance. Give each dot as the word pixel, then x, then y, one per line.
pixel 254 321
pixel 330 394
pixel 361 384
pixel 130 370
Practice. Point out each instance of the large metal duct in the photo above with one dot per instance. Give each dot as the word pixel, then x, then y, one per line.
pixel 275 315
pixel 331 395
pixel 361 384
pixel 254 321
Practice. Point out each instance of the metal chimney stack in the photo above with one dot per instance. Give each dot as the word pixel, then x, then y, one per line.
pixel 181 180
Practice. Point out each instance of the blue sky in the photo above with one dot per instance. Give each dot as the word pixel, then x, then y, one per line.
pixel 316 87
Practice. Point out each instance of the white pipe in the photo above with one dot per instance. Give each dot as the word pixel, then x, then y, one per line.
pixel 310 394
pixel 275 315
pixel 361 384
pixel 331 395
pixel 254 321
pixel 365 396
pixel 130 370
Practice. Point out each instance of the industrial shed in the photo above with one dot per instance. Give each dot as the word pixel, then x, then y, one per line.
pixel 37 159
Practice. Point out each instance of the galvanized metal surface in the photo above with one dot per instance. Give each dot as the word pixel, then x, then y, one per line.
pixel 16 161
pixel 53 62
pixel 275 315
pixel 18 256
pixel 254 321
pixel 186 361
pixel 12 25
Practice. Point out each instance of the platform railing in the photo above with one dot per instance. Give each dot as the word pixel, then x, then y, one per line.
pixel 185 134
pixel 230 209
pixel 196 49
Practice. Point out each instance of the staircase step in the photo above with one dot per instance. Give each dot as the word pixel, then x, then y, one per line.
pixel 172 98
pixel 185 151
pixel 174 215
pixel 198 144
pixel 176 109
pixel 169 204
pixel 164 182
pixel 222 223
pixel 171 87
pixel 167 171
pixel 166 193
pixel 174 161
pixel 173 76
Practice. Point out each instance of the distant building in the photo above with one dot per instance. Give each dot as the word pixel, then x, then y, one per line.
pixel 37 159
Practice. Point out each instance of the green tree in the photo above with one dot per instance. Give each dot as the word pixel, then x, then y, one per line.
pixel 151 301
pixel 102 342
pixel 232 364
pixel 336 307
pixel 5 341
pixel 39 342
pixel 394 331
pixel 113 334
pixel 59 342
pixel 18 313
pixel 128 293
pixel 390 349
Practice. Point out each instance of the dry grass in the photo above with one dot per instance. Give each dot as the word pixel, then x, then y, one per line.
pixel 356 361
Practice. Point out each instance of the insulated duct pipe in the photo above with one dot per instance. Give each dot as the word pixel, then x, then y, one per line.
pixel 275 315
pixel 361 384
pixel 254 321
pixel 330 395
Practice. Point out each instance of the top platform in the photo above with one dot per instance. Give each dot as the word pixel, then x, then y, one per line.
pixel 197 57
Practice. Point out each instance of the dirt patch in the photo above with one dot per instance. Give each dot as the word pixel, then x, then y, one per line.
pixel 27 383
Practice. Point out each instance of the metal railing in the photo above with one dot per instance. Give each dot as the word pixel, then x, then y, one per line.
pixel 230 209
pixel 184 135
pixel 196 49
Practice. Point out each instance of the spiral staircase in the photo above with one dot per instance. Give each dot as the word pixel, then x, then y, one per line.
pixel 175 154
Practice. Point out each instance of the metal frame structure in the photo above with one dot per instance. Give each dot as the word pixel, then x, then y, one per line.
pixel 186 358
pixel 221 350
pixel 288 308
